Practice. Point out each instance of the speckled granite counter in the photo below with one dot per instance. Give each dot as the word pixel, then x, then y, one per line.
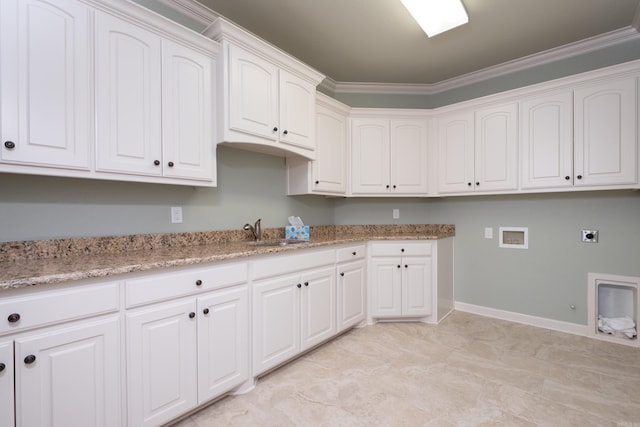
pixel 44 262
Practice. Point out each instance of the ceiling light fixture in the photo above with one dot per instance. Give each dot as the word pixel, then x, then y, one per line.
pixel 437 16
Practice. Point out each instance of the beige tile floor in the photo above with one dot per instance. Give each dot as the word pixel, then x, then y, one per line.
pixel 467 371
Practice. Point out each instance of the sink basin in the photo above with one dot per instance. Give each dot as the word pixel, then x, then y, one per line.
pixel 280 242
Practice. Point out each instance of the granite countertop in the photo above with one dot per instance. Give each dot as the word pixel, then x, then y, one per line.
pixel 49 262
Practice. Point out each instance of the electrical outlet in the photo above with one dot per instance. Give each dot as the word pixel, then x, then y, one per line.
pixel 396 214
pixel 590 236
pixel 488 233
pixel 176 214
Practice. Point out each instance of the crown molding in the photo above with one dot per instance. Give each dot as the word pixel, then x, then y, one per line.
pixel 206 16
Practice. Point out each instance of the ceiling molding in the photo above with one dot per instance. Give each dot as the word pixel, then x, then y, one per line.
pixel 570 50
pixel 206 16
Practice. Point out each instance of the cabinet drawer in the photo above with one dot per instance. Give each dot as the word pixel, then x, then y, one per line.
pixel 282 264
pixel 163 286
pixel 401 249
pixel 351 253
pixel 49 307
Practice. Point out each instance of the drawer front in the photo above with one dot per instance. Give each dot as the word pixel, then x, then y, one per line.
pixel 164 286
pixel 50 307
pixel 275 265
pixel 351 253
pixel 409 248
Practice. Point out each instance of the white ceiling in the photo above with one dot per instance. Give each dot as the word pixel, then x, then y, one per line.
pixel 377 41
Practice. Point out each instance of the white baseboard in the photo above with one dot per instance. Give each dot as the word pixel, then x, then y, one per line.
pixel 540 322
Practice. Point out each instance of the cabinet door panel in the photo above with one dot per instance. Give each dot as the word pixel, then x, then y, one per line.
pixel 416 290
pixel 351 294
pixel 455 153
pixel 370 156
pixel 161 363
pixel 605 130
pixel 386 287
pixel 253 94
pixel 329 168
pixel 276 322
pixel 44 80
pixel 128 61
pixel 187 113
pixel 297 111
pixel 75 378
pixel 547 141
pixel 409 156
pixel 496 153
pixel 318 307
pixel 6 385
pixel 223 342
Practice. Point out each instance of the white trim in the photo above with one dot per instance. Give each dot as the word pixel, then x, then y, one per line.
pixel 525 319
pixel 192 9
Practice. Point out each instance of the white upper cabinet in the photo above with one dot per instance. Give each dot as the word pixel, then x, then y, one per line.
pixel 269 98
pixel 389 156
pixel 477 150
pixel 45 83
pixel 606 146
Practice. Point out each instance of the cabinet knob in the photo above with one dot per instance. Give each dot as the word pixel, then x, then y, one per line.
pixel 398 265
pixel 2 366
pixel 402 250
pixel 469 184
pixel 29 359
pixel 394 186
pixel 342 274
pixel 579 176
pixel 299 285
pixel 285 132
pixel 477 182
pixel 275 129
pixel 156 162
pixel 10 145
pixel 567 177
pixel 205 311
pixel 317 182
pixel 13 317
pixel 306 283
pixel 170 164
pixel 387 186
pixel 198 282
pixel 192 315
pixel 406 266
pixel 353 253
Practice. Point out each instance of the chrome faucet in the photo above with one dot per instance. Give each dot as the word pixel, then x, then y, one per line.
pixel 255 229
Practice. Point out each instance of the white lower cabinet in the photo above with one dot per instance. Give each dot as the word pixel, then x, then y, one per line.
pixel 401 280
pixel 291 314
pixel 183 353
pixel 68 375
pixel 351 286
pixel 6 384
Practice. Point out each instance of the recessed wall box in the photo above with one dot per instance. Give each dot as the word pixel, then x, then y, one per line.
pixel 514 237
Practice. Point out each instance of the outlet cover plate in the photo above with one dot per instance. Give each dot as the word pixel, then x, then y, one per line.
pixel 590 236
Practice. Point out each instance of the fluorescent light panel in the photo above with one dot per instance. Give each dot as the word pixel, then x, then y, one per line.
pixel 437 16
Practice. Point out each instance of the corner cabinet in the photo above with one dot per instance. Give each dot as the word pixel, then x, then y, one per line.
pixel 328 173
pixel 352 286
pixel 105 90
pixel 389 156
pixel 268 98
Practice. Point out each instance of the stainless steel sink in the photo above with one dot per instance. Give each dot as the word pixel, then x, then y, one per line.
pixel 279 242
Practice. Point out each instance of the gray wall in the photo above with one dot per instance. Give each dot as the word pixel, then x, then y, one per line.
pixel 543 280
pixel 250 185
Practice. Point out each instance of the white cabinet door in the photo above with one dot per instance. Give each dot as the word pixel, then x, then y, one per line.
pixel 416 286
pixel 370 156
pixel 351 295
pixel 161 362
pixel 6 385
pixel 386 287
pixel 318 306
pixel 69 376
pixel 456 153
pixel 276 322
pixel 606 118
pixel 496 148
pixel 329 168
pixel 297 112
pixel 408 156
pixel 128 81
pixel 44 80
pixel 187 113
pixel 223 341
pixel 547 141
pixel 253 94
